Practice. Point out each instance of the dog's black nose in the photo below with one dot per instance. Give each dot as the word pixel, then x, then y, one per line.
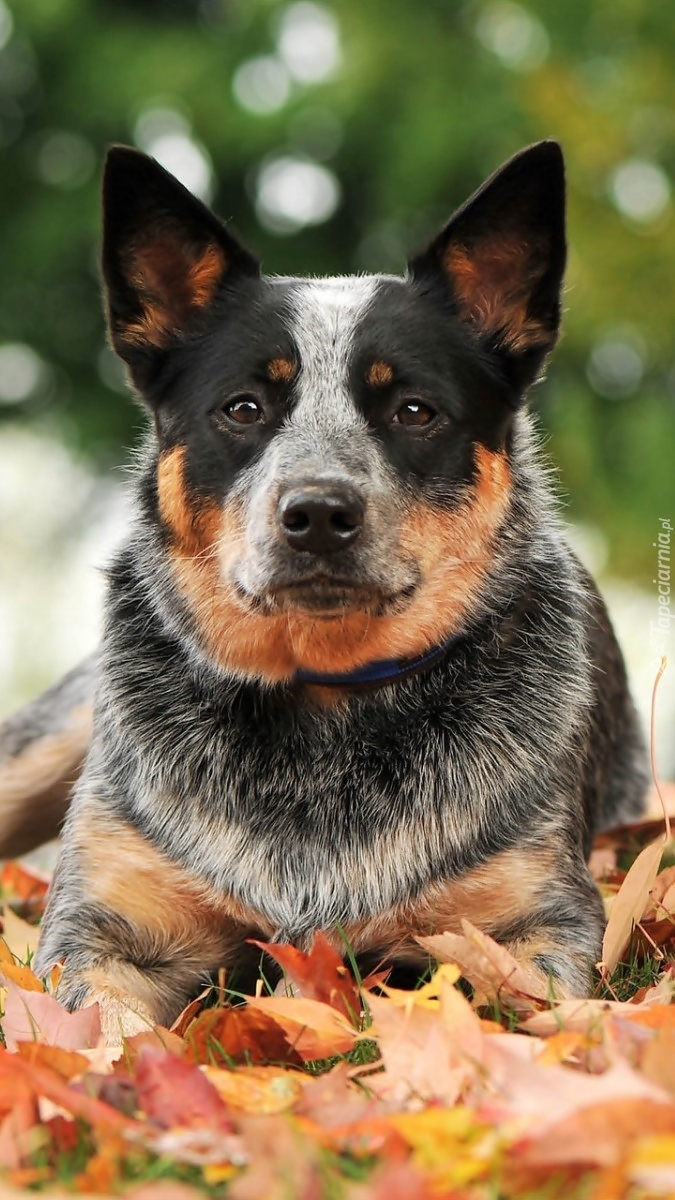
pixel 321 520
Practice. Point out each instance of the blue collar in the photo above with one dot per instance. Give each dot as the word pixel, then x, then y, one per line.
pixel 385 670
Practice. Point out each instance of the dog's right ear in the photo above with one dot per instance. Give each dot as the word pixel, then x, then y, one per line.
pixel 165 259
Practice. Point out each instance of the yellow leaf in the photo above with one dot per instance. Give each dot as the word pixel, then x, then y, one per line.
pixel 427 996
pixel 450 1143
pixel 630 903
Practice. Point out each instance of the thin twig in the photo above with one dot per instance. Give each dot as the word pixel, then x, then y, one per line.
pixel 652 745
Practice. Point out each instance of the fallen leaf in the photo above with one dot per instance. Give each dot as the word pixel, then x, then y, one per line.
pixel 260 1090
pixel 651 1165
pixel 67 1063
pixel 489 967
pixel 663 884
pixel 46 1083
pixel 283 1162
pixel 36 1016
pixel 421 1057
pixel 319 975
pixel 23 883
pixel 314 1030
pixel 600 1135
pixel 172 1092
pixel 23 976
pixel 658 1058
pixel 238 1035
pixel 630 903
pixel 333 1100
pixel 585 1015
pixel 18 1130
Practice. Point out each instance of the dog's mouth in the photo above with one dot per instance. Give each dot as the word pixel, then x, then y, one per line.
pixel 327 596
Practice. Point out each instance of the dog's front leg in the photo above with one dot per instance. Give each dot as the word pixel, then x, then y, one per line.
pixel 137 931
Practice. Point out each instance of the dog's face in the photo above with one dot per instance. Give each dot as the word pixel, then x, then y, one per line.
pixel 332 454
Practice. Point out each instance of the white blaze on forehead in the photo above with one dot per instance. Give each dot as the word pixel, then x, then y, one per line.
pixel 324 316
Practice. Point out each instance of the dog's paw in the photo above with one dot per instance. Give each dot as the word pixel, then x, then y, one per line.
pixel 121 1015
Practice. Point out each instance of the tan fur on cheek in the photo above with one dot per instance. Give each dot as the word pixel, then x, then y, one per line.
pixel 453 549
pixel 195 528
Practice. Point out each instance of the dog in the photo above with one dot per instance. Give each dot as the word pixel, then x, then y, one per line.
pixel 352 677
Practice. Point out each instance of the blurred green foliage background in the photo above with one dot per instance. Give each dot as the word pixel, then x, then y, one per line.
pixel 337 136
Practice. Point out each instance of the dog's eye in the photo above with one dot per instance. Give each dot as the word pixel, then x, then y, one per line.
pixel 243 410
pixel 414 413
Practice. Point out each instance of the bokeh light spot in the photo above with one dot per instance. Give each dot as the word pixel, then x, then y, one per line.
pixel 165 134
pixel 65 159
pixel 514 35
pixel 261 85
pixel 640 189
pixel 23 372
pixel 309 42
pixel 616 365
pixel 6 24
pixel 292 193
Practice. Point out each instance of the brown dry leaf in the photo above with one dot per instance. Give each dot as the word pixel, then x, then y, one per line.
pixel 314 1030
pixel 630 903
pixel 238 1035
pixel 23 939
pixel 261 1090
pixel 319 975
pixel 489 967
pixel 36 1016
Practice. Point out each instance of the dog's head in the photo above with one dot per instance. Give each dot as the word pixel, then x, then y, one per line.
pixel 333 454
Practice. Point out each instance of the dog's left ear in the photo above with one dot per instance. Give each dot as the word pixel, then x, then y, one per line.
pixel 166 258
pixel 503 255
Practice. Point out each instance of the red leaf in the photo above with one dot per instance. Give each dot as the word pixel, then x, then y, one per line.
pixel 174 1092
pixel 319 975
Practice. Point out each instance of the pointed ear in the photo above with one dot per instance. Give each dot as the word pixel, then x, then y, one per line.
pixel 503 255
pixel 165 256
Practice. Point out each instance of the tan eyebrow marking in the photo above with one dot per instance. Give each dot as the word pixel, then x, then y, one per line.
pixel 380 374
pixel 281 370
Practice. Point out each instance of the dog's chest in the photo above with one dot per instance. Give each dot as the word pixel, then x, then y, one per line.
pixel 308 822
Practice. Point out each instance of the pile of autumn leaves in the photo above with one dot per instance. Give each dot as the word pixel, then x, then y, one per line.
pixel 424 1094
